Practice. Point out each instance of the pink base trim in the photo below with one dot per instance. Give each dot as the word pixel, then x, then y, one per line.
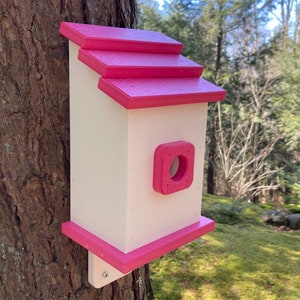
pixel 126 262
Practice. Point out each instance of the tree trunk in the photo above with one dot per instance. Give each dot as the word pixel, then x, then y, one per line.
pixel 211 149
pixel 212 127
pixel 36 260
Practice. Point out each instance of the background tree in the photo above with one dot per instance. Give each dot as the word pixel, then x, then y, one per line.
pixel 252 136
pixel 37 261
pixel 248 123
pixel 286 63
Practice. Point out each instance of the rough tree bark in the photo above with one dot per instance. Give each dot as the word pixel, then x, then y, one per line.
pixel 36 260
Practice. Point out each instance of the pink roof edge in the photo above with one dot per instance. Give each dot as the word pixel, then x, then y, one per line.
pixel 124 64
pixel 134 93
pixel 89 36
pixel 127 262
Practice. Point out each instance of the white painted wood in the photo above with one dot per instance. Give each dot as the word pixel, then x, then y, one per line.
pixel 101 273
pixel 151 215
pixel 112 152
pixel 98 130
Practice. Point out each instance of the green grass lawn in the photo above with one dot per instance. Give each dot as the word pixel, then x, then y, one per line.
pixel 243 259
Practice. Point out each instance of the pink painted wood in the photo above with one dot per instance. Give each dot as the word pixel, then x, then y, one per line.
pixel 164 156
pixel 117 64
pixel 89 36
pixel 127 262
pixel 135 93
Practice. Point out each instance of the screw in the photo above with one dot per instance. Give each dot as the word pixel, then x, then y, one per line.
pixel 105 274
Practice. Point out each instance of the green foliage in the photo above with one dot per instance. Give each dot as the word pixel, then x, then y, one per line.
pixel 255 132
pixel 289 178
pixel 293 208
pixel 287 103
pixel 248 260
pixel 223 213
pixel 149 16
pixel 294 193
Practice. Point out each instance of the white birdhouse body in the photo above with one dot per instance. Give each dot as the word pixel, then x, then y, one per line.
pixel 112 150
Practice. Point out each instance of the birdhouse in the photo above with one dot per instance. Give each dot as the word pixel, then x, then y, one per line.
pixel 137 123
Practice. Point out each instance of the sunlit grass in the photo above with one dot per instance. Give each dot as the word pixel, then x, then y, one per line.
pixel 247 260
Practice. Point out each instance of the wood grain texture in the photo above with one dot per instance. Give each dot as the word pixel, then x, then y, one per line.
pixel 37 261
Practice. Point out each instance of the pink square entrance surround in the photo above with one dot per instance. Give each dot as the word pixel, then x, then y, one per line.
pixel 173 167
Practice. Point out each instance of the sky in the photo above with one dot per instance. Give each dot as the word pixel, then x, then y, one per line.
pixel 273 20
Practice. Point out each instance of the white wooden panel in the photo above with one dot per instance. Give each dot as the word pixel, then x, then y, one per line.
pixel 151 215
pixel 98 155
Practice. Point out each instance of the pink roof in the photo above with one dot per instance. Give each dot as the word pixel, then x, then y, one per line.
pixel 150 92
pixel 136 64
pixel 97 37
pixel 140 68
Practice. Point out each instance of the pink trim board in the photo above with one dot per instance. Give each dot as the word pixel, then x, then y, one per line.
pixel 133 93
pixel 89 36
pixel 119 64
pixel 127 262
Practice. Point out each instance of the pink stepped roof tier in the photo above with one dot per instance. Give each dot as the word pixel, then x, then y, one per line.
pixel 97 37
pixel 153 92
pixel 115 64
pixel 140 68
